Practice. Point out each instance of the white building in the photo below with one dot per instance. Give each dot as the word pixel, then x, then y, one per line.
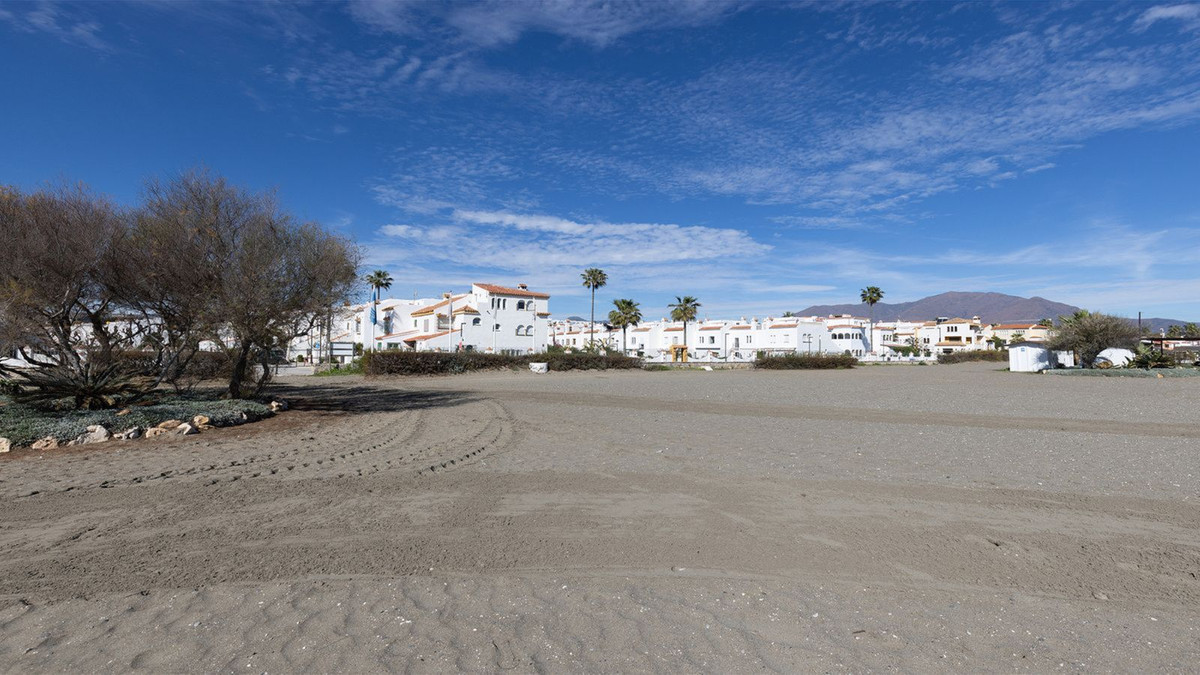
pixel 488 318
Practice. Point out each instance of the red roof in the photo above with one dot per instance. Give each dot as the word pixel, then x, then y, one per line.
pixel 504 290
pixel 740 328
pixel 1016 326
pixel 711 327
pixel 422 338
pixel 432 308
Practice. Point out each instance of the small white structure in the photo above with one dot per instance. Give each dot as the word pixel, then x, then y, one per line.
pixel 1114 357
pixel 540 368
pixel 1030 357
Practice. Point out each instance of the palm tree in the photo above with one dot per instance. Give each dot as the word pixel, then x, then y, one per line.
pixel 871 295
pixel 379 280
pixel 626 314
pixel 593 278
pixel 684 309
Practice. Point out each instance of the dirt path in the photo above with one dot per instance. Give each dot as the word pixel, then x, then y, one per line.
pixel 542 524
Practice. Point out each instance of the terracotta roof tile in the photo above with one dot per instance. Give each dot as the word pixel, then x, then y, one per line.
pixel 504 290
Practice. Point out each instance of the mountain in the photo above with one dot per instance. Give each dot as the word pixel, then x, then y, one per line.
pixel 989 307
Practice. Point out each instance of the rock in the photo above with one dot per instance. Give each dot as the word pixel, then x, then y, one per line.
pixel 199 421
pixel 279 406
pixel 185 429
pixel 95 434
pixel 5 445
pixel 157 431
pixel 47 443
pixel 170 424
pixel 129 434
pixel 124 412
pixel 1099 595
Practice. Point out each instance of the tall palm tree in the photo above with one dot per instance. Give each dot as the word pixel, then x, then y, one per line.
pixel 626 314
pixel 379 280
pixel 684 309
pixel 871 295
pixel 593 278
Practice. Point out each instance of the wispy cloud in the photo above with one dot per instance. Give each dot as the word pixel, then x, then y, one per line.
pixel 1188 14
pixel 489 23
pixel 66 23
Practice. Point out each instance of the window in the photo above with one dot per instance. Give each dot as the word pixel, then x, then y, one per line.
pixel 476 321
pixel 496 327
pixel 520 304
pixel 748 340
pixel 520 330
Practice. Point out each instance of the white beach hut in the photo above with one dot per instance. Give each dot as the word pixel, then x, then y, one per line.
pixel 1029 357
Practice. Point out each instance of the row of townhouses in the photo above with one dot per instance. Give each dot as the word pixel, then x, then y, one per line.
pixel 744 339
pixel 516 320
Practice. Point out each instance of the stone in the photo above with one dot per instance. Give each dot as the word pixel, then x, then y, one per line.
pixel 279 406
pixel 124 412
pixel 95 434
pixel 170 424
pixel 157 431
pixel 201 420
pixel 5 445
pixel 129 434
pixel 185 429
pixel 47 443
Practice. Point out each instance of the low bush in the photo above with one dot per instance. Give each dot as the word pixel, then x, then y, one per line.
pixel 441 363
pixel 996 355
pixel 355 367
pixel 806 362
pixel 436 363
pixel 587 361
pixel 23 424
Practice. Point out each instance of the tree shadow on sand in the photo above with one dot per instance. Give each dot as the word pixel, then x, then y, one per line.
pixel 361 399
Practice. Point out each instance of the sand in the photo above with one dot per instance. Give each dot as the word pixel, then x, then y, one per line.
pixel 942 518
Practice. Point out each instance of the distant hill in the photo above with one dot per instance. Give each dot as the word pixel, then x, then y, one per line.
pixel 989 307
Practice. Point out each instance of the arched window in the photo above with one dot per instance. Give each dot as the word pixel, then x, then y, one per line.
pixel 520 304
pixel 476 321
pixel 520 330
pixel 529 331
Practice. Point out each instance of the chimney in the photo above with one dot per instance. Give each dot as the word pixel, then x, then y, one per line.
pixel 523 287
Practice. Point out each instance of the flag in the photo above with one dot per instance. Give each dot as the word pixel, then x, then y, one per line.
pixel 373 315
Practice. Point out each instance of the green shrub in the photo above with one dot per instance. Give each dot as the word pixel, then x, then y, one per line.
pixel 440 363
pixel 587 361
pixel 1149 357
pixel 975 355
pixel 355 367
pixel 806 362
pixel 435 363
pixel 23 424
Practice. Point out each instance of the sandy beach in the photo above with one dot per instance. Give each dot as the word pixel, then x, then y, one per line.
pixel 941 518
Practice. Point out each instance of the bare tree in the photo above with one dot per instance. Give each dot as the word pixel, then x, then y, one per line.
pixel 59 310
pixel 106 303
pixel 264 277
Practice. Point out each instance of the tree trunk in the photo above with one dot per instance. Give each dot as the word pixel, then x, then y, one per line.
pixel 238 376
pixel 624 342
pixel 685 356
pixel 592 344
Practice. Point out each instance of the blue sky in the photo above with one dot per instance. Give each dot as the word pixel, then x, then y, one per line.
pixel 763 157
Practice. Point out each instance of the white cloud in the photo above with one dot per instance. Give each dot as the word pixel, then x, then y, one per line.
pixel 52 18
pixel 1187 13
pixel 490 23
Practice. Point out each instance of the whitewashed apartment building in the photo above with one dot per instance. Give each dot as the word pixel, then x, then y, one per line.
pixel 744 339
pixel 488 318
